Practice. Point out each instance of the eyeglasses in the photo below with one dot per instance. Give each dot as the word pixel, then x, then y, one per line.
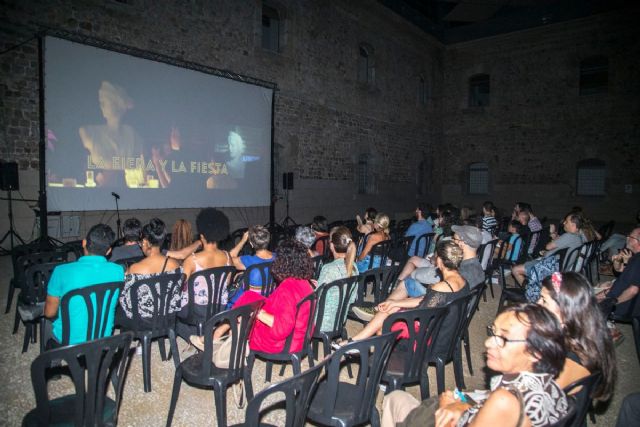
pixel 633 237
pixel 499 340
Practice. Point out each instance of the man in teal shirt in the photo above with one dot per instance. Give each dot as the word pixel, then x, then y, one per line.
pixel 90 269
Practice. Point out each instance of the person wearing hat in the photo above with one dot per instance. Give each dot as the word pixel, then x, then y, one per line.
pixel 469 238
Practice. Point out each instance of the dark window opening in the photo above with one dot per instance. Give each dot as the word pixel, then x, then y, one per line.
pixel 270 29
pixel 479 90
pixel 594 75
pixel 591 178
pixel 478 178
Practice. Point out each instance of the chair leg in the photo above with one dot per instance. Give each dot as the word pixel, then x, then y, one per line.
pixel 282 368
pixel 173 347
pixel 424 383
pixel 248 386
pixel 467 350
pixel 12 289
pixel 28 331
pixel 220 399
pixel 268 370
pixel 42 334
pixel 315 346
pixel 16 322
pixel 162 348
pixel 440 375
pixel 375 417
pixel 146 362
pixel 457 368
pixel 295 361
pixel 177 381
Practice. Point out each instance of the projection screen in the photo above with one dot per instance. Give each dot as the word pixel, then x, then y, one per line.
pixel 157 135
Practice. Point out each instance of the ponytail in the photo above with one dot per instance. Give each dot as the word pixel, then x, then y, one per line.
pixel 350 258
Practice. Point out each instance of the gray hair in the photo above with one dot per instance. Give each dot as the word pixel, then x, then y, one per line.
pixel 306 236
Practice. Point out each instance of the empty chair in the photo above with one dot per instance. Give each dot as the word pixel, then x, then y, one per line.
pixel 381 279
pixel 341 404
pixel 296 393
pixel 93 366
pixel 407 363
pixel 472 307
pixel 154 303
pixel 485 255
pixel 422 245
pixel 199 368
pixel 399 252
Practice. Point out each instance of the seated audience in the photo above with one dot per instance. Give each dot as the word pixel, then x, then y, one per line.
pixel 513 243
pixel 213 227
pixel 307 237
pixel 153 265
pixel 571 239
pixel 489 221
pixel 568 296
pixel 417 229
pixel 534 225
pixel 448 258
pixel 343 266
pixel 379 234
pixel 131 246
pixel 526 347
pixel 321 229
pixel 90 269
pixel 258 237
pixel 365 225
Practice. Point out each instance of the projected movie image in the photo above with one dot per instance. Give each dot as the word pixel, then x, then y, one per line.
pixel 157 135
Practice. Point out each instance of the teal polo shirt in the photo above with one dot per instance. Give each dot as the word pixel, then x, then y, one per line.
pixel 86 271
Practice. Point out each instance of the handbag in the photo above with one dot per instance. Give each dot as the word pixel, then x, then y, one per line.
pixel 221 359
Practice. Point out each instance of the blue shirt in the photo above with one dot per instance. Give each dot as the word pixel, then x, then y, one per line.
pixel 416 229
pixel 87 271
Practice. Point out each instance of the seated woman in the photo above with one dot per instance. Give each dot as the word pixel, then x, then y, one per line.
pixel 293 269
pixel 344 253
pixel 307 237
pixel 258 237
pixel 379 234
pixel 153 265
pixel 589 346
pixel 181 235
pixel 526 347
pixel 213 226
pixel 365 225
pixel 448 258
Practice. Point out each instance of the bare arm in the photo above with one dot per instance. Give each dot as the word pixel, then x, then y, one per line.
pixel 502 409
pixel 266 318
pixel 370 242
pixel 185 252
pixel 51 307
pixel 237 248
pixel 628 294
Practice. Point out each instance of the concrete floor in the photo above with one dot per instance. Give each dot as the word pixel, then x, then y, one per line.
pixel 196 406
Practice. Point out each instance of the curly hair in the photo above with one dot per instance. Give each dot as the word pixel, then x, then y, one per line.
pixel 292 260
pixel 154 232
pixel 212 224
pixel 586 332
pixel 449 253
pixel 545 339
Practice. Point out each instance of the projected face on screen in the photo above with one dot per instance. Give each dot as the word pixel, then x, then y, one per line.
pixel 237 148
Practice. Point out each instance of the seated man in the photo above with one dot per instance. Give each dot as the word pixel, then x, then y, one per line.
pixel 625 287
pixel 131 246
pixel 90 269
pixel 417 229
pixel 419 271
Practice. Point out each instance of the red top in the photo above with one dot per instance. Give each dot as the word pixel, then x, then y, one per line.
pixel 282 305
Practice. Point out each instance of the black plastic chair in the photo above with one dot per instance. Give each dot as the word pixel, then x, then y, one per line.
pixel 407 363
pixel 157 320
pixel 199 368
pixel 382 281
pixel 381 251
pixel 100 301
pixel 318 262
pixel 286 355
pixel 399 252
pixel 30 309
pixel 583 397
pixel 345 289
pixel 341 404
pixel 485 255
pixel 92 366
pixel 472 307
pixel 324 242
pixel 422 241
pixel 447 346
pixel 574 260
pixel 295 392
pixel 216 280
pixel 263 269
pixel 23 257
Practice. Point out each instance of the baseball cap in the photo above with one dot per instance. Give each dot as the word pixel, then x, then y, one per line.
pixel 469 234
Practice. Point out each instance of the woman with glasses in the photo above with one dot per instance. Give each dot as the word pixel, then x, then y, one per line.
pixel 525 346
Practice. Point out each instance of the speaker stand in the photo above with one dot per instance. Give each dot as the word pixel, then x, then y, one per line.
pixel 12 231
pixel 288 221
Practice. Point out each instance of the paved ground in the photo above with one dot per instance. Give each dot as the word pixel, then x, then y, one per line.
pixel 196 406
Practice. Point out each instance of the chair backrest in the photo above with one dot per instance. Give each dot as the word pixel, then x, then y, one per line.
pixel 561 255
pixel 472 305
pixel 297 392
pixel 100 302
pixel 606 230
pixel 574 260
pixel 92 366
pixel 485 253
pixel 25 261
pixel 318 262
pixel 341 291
pixel 382 279
pixel 456 320
pixel 161 294
pixel 381 250
pixel 310 302
pixel 37 278
pixel 372 361
pixel 532 239
pixel 259 273
pixel 241 321
pixel 26 249
pixel 216 280
pixel 583 396
pixel 422 245
pixel 570 416
pixel 423 326
pixel 322 243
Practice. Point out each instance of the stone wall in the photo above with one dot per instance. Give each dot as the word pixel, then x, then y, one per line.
pixel 537 126
pixel 324 118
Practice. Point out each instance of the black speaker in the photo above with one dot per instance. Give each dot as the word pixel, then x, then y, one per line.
pixel 287 181
pixel 9 176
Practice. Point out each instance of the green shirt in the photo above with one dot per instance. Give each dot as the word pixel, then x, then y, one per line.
pixel 335 270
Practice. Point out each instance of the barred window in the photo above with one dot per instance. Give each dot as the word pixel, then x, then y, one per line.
pixel 478 178
pixel 594 75
pixel 366 64
pixel 591 177
pixel 270 28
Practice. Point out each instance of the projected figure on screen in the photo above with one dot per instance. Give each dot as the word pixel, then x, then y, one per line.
pixel 114 146
pixel 237 147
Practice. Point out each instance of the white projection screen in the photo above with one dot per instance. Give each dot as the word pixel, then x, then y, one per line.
pixel 157 135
